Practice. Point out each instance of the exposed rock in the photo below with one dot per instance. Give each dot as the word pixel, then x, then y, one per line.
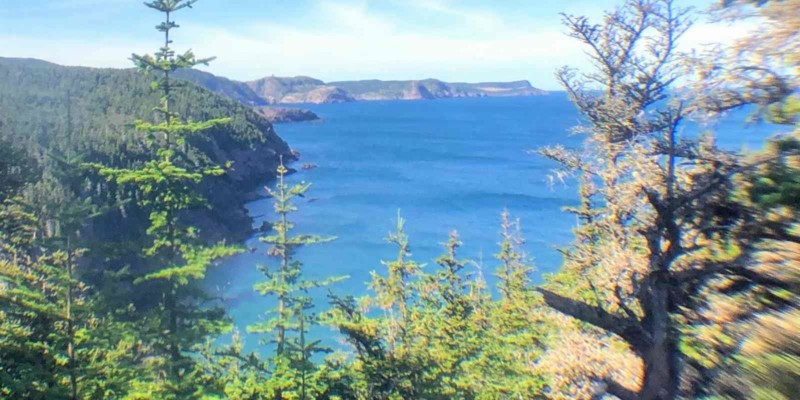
pixel 319 95
pixel 299 89
pixel 281 115
pixel 302 89
pixel 434 89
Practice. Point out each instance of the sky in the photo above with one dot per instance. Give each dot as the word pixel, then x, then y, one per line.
pixel 452 40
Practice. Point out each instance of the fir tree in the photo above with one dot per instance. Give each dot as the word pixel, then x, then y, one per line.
pixel 293 371
pixel 387 365
pixel 444 321
pixel 518 322
pixel 43 294
pixel 166 187
pixel 394 293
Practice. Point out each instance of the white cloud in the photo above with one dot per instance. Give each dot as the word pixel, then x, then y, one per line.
pixel 99 52
pixel 348 40
pixel 351 17
pixel 479 19
pixel 366 51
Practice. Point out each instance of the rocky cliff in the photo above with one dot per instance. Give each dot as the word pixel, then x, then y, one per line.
pixel 302 89
pixel 278 115
pixel 433 89
pixel 298 89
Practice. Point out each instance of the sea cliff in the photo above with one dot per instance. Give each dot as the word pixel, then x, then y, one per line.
pixel 308 90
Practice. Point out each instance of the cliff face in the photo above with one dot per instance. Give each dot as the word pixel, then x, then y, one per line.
pixel 317 95
pixel 234 90
pixel 299 89
pixel 434 89
pixel 303 89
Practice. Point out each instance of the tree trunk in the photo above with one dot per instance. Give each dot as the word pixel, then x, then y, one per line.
pixel 661 358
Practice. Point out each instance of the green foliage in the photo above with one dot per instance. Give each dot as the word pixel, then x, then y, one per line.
pixel 166 186
pixel 684 268
pixel 441 336
pixel 54 114
pixel 293 374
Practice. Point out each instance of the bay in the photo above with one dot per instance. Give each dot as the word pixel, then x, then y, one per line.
pixel 443 165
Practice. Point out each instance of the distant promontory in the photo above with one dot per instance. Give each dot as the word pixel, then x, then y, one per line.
pixel 303 89
pixel 278 115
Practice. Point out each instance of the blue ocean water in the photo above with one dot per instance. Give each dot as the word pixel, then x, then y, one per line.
pixel 444 165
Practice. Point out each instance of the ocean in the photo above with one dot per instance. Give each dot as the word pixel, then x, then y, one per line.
pixel 442 165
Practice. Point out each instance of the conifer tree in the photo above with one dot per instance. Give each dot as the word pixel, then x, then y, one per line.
pixel 517 321
pixel 449 328
pixel 662 228
pixel 394 293
pixel 745 347
pixel 387 362
pixel 648 193
pixel 293 372
pixel 42 293
pixel 166 187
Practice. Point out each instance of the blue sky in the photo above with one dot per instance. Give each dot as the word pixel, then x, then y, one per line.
pixel 455 40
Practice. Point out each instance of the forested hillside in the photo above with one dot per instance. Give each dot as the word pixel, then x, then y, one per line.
pixel 682 280
pixel 51 111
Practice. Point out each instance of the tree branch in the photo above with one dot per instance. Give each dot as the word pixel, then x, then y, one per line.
pixel 627 328
pixel 615 389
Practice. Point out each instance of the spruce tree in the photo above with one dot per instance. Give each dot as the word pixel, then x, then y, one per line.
pixel 166 187
pixel 394 294
pixel 293 372
pixel 517 321
pixel 386 364
pixel 42 295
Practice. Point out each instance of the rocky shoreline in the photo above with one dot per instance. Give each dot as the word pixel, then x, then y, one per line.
pixel 283 115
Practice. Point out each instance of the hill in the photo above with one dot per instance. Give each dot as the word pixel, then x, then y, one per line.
pixel 299 89
pixel 51 109
pixel 238 91
pixel 309 90
pixel 304 89
pixel 433 89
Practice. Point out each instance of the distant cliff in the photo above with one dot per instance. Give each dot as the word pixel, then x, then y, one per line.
pixel 309 90
pixel 434 89
pixel 304 89
pixel 299 89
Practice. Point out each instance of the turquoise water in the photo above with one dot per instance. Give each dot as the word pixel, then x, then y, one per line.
pixel 445 164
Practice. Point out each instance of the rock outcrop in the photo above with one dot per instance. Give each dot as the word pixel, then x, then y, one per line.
pixel 280 115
